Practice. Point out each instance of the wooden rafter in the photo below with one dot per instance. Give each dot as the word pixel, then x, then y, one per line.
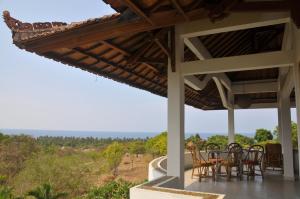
pixel 146 61
pixel 115 47
pixel 180 10
pixel 115 65
pixel 133 7
pixel 153 38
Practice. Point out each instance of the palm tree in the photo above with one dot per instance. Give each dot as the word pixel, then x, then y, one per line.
pixel 45 192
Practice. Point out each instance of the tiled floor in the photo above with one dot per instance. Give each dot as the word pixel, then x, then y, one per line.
pixel 272 187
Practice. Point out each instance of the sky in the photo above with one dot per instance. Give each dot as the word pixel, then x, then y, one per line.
pixel 37 93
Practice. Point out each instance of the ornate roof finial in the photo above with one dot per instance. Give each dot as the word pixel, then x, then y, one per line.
pixel 17 25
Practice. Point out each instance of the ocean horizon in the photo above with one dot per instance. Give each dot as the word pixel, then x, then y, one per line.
pixel 100 134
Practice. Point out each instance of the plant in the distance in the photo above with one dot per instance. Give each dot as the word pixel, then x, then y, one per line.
pixel 262 135
pixel 113 155
pixel 45 192
pixel 112 190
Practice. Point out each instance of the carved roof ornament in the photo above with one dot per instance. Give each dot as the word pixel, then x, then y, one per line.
pixel 19 26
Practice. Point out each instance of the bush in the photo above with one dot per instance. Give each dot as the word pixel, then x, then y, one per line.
pixel 113 155
pixel 157 146
pixel 65 173
pixel 221 140
pixel 45 192
pixel 14 151
pixel 294 135
pixel 111 190
pixel 244 141
pixel 262 135
pixel 6 193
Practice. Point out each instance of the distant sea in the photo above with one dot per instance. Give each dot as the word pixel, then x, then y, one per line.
pixel 98 134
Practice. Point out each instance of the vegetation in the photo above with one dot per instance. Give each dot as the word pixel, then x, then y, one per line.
pixel 113 155
pixel 79 142
pixel 6 193
pixel 45 192
pixel 157 146
pixel 114 189
pixel 66 167
pixel 294 135
pixel 263 135
pixel 47 168
pixel 221 140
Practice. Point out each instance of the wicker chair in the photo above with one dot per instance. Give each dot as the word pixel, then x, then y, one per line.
pixel 233 144
pixel 253 160
pixel 210 151
pixel 273 157
pixel 200 164
pixel 233 160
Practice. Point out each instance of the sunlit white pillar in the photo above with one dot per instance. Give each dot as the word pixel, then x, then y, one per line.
pixel 287 145
pixel 231 129
pixel 279 121
pixel 176 99
pixel 296 72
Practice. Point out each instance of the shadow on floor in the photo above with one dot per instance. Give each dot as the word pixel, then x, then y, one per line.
pixel 272 187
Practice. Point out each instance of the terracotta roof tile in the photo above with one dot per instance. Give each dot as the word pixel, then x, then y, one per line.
pixel 41 29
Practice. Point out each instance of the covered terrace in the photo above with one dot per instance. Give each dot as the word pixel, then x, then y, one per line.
pixel 212 55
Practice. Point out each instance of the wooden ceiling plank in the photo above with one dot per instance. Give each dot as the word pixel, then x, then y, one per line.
pixel 115 47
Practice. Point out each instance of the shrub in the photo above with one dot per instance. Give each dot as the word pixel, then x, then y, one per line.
pixel 111 190
pixel 221 140
pixel 294 135
pixel 157 145
pixel 244 141
pixel 113 155
pixel 6 193
pixel 45 192
pixel 14 151
pixel 65 173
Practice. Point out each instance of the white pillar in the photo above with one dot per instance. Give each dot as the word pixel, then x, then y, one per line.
pixel 231 126
pixel 176 115
pixel 296 38
pixel 231 130
pixel 287 137
pixel 279 122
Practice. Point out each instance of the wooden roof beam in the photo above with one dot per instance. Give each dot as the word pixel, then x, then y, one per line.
pixel 134 8
pixel 180 10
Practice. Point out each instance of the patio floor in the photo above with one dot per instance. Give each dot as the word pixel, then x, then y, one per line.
pixel 273 187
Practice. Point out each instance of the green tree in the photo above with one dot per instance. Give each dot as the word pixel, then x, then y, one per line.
pixel 45 192
pixel 157 145
pixel 262 135
pixel 294 134
pixel 113 155
pixel 136 147
pixel 221 140
pixel 243 140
